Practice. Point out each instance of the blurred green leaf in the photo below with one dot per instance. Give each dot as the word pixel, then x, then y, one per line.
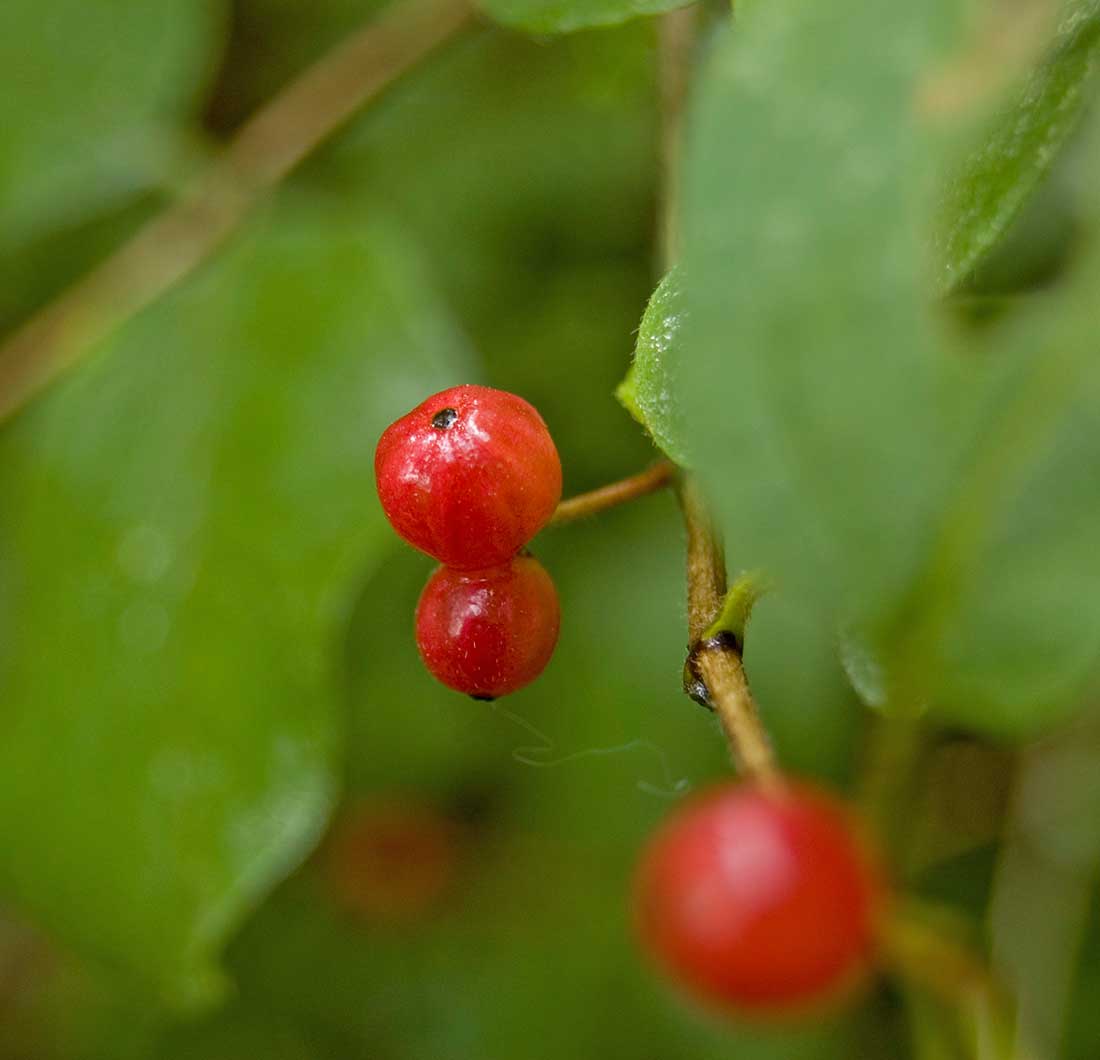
pixel 811 713
pixel 649 392
pixel 242 1033
pixel 1046 882
pixel 987 194
pixel 1007 612
pixel 934 1028
pixel 47 264
pixel 563 16
pixel 181 522
pixel 820 406
pixel 939 503
pixel 271 42
pixel 1012 601
pixel 1083 1019
pixel 93 101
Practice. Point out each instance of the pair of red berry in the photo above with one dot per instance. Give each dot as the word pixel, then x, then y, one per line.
pixel 469 477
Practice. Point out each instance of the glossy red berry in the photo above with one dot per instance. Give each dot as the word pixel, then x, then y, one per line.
pixel 761 901
pixel 469 476
pixel 488 632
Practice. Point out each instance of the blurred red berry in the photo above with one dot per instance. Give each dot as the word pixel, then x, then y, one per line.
pixel 391 860
pixel 762 901
pixel 469 476
pixel 488 632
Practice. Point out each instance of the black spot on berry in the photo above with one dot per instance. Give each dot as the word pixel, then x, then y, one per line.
pixel 444 418
pixel 482 698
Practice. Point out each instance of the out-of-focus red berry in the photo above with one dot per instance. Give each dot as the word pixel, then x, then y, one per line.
pixel 469 476
pixel 760 901
pixel 488 632
pixel 391 860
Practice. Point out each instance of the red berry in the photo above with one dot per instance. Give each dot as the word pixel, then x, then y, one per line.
pixel 469 476
pixel 488 632
pixel 391 860
pixel 763 901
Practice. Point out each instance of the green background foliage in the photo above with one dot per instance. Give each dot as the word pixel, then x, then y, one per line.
pixel 96 100
pixel 206 655
pixel 563 16
pixel 199 560
pixel 985 196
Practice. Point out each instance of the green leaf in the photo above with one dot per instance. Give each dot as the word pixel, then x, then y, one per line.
pixel 94 98
pixel 649 391
pixel 184 523
pixel 1001 631
pixel 939 503
pixel 1082 1020
pixel 993 184
pixel 820 407
pixel 1049 860
pixel 934 1028
pixel 42 267
pixel 1010 600
pixel 563 16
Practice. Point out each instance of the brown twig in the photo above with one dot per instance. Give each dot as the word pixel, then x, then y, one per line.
pixel 715 671
pixel 706 561
pixel 720 668
pixel 592 503
pixel 714 674
pixel 263 152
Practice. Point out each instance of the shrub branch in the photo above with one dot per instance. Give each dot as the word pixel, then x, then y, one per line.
pixel 266 148
pixel 628 489
pixel 715 674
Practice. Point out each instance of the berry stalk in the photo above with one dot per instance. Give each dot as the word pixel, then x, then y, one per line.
pixel 611 496
pixel 720 669
pixel 706 560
